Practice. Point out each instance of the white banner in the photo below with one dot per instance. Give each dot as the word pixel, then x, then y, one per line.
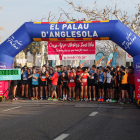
pixel 21 60
pixel 129 58
pixel 72 57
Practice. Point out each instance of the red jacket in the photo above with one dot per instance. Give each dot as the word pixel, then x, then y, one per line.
pixel 131 78
pixel 55 78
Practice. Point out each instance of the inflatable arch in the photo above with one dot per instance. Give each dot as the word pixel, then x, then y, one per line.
pixel 59 31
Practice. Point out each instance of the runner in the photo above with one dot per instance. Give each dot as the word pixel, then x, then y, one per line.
pixel 109 84
pixel 43 82
pixel 83 79
pixel 124 85
pixel 49 82
pixel 65 70
pixel 35 83
pixel 64 82
pixel 91 82
pixel 131 81
pixel 102 79
pixel 61 67
pixel 59 86
pixel 54 80
pixel 119 83
pixel 25 73
pixel 114 87
pixel 71 84
pixel 78 84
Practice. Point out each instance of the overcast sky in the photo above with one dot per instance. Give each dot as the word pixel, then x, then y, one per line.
pixel 15 12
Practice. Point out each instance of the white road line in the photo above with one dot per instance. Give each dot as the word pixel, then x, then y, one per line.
pixel 93 114
pixel 11 108
pixel 61 137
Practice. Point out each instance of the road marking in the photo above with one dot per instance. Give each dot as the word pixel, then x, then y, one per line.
pixel 93 113
pixel 61 137
pixel 11 108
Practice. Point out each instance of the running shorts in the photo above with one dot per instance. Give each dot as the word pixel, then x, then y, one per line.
pixel 53 87
pixel 124 86
pixel 25 82
pixel 91 82
pixel 43 83
pixel 101 85
pixel 84 84
pixel 71 84
pixel 33 86
pixel 109 85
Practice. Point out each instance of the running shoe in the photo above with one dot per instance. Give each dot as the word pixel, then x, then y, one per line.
pixel 21 98
pixel 94 99
pixel 81 99
pixel 122 102
pixel 41 98
pixel 73 99
pixel 50 99
pixel 102 100
pixel 55 99
pixel 13 99
pixel 33 98
pixel 60 99
pixel 46 98
pixel 70 99
pixel 127 101
pixel 86 99
pixel 114 101
pixel 99 100
pixel 90 99
pixel 110 100
pixel 107 100
pixel 119 101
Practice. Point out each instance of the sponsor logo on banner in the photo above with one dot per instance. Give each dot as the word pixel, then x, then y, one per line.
pixel 67 50
pixel 129 41
pixel 15 43
pixel 138 66
pixel 138 80
pixel 139 89
pixel 2 65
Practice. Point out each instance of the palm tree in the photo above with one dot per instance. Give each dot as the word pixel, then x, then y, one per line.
pixel 25 50
pixel 34 49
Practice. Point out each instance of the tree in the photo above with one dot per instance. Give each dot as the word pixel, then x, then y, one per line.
pixel 1 28
pixel 107 13
pixel 34 49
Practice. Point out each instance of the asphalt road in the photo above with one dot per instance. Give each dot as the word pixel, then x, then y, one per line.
pixel 49 120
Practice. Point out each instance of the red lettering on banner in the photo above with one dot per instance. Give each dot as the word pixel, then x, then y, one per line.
pixel 71 50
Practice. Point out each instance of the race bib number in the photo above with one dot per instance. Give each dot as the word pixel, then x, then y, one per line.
pixel 43 77
pixel 24 77
pixel 108 78
pixel 92 77
pixel 34 79
pixel 71 80
pixel 64 81
pixel 46 82
pixel 77 79
pixel 100 80
pixel 84 80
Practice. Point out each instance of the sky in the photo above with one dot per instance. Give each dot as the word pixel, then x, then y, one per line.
pixel 15 12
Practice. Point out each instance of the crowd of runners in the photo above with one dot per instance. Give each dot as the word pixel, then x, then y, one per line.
pixel 76 84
